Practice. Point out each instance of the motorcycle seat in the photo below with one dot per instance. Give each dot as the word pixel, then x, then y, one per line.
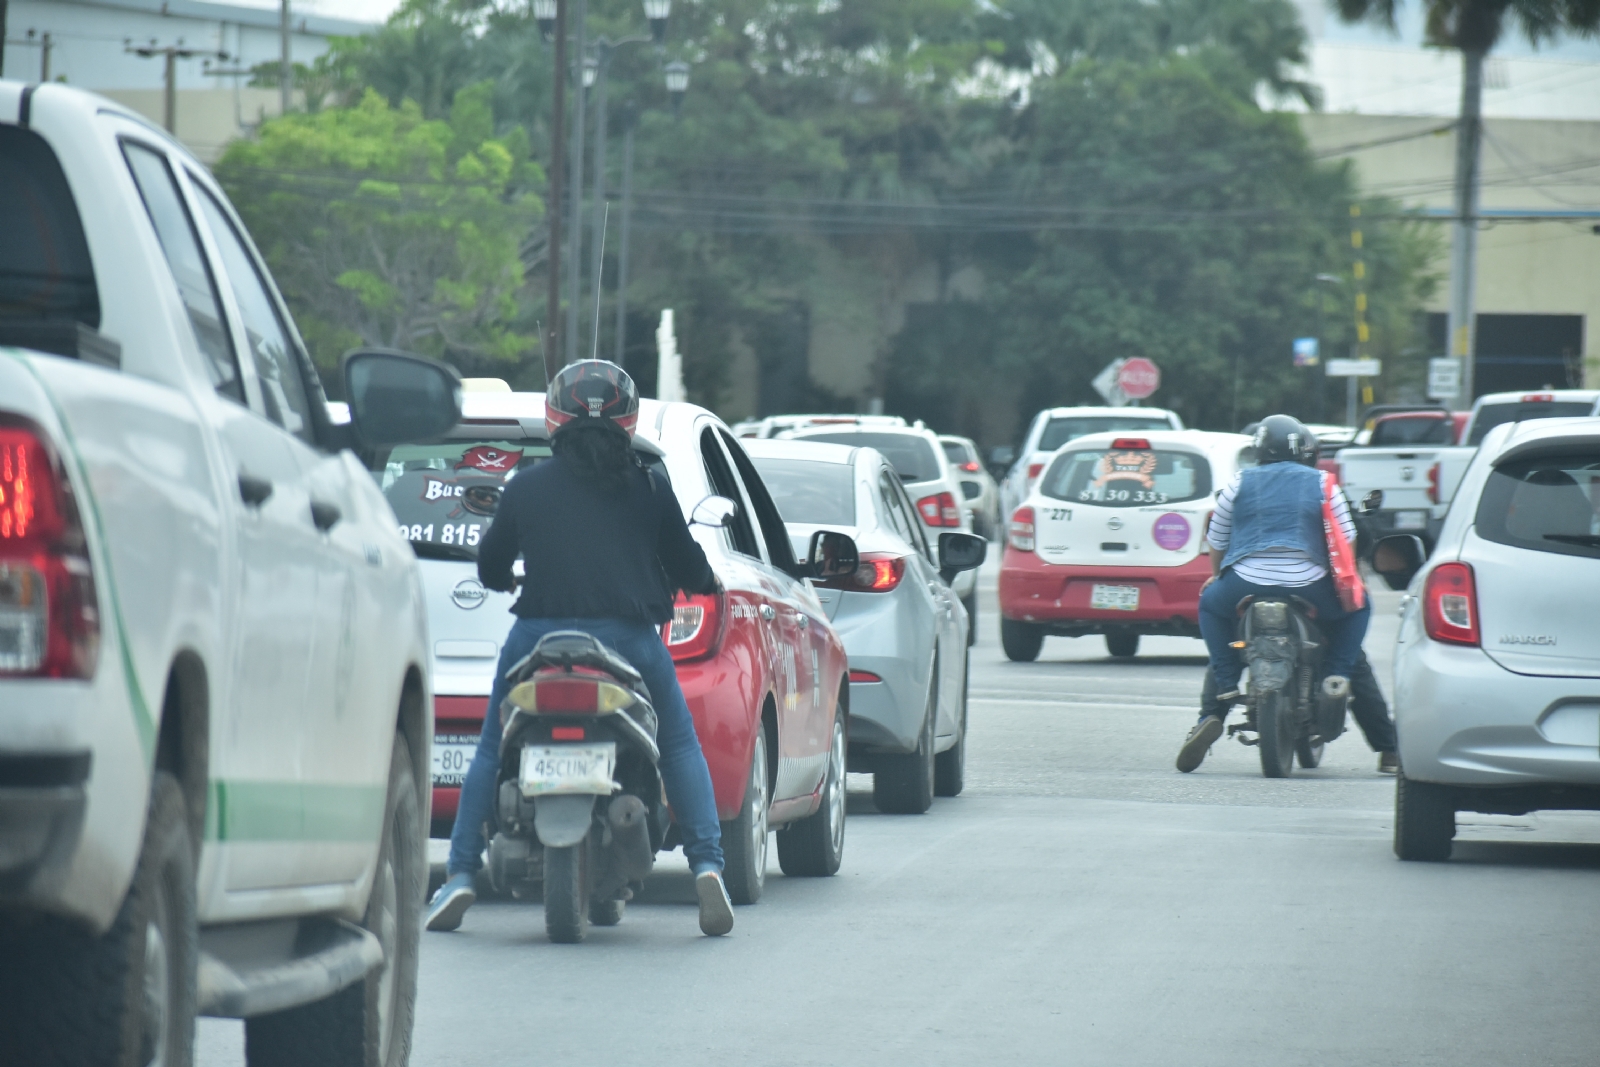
pixel 1301 604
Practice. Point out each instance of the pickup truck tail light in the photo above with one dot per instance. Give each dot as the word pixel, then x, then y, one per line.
pixel 1433 484
pixel 695 631
pixel 940 510
pixel 1021 531
pixel 1450 605
pixel 878 572
pixel 49 613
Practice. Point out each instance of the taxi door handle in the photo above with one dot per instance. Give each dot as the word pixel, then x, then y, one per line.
pixel 768 612
pixel 253 490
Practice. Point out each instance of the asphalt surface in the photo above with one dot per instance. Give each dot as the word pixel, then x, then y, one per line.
pixel 1081 902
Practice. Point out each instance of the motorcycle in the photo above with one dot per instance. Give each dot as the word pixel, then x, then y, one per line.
pixel 1283 649
pixel 579 790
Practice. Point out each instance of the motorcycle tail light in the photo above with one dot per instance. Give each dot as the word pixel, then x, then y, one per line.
pixel 1433 484
pixel 940 510
pixel 569 694
pixel 1450 605
pixel 49 611
pixel 1270 615
pixel 696 627
pixel 566 733
pixel 1021 532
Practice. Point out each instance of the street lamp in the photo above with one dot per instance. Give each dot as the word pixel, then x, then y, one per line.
pixel 591 70
pixel 656 12
pixel 544 13
pixel 677 78
pixel 677 73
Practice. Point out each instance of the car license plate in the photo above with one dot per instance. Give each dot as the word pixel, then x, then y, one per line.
pixel 550 769
pixel 1410 520
pixel 1115 598
pixel 452 755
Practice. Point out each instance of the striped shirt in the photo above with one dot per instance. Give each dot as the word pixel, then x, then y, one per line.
pixel 1286 567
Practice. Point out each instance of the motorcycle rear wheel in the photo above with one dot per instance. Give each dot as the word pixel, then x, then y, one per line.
pixel 566 893
pixel 1275 730
pixel 1309 752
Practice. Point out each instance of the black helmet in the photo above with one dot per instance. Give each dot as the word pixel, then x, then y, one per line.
pixel 1284 439
pixel 591 389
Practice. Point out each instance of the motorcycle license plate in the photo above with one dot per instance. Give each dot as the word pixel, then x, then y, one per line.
pixel 1114 598
pixel 1410 520
pixel 548 769
pixel 452 755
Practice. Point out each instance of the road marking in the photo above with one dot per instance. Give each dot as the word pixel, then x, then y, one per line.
pixel 1080 703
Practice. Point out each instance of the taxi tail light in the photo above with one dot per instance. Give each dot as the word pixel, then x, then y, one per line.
pixel 1033 471
pixel 1450 605
pixel 49 611
pixel 1433 484
pixel 1538 398
pixel 878 572
pixel 695 631
pixel 1021 531
pixel 940 510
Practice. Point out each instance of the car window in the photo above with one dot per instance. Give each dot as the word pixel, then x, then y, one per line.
pixel 1127 477
pixel 919 532
pixel 810 491
pixel 283 390
pixel 739 533
pixel 780 553
pixel 1064 428
pixel 45 270
pixel 445 494
pixel 181 246
pixel 1549 503
pixel 910 454
pixel 1391 433
pixel 889 501
pixel 1491 415
pixel 958 453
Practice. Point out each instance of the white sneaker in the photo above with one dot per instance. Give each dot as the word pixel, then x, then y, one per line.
pixel 716 910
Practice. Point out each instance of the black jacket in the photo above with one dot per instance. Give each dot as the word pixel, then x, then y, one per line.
pixel 590 553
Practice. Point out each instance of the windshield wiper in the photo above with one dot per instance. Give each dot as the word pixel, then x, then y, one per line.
pixel 1587 540
pixel 434 550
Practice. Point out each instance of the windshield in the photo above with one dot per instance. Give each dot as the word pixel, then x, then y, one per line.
pixel 810 492
pixel 1491 415
pixel 1128 478
pixel 1062 429
pixel 1422 430
pixel 1548 503
pixel 911 456
pixel 445 494
pixel 957 453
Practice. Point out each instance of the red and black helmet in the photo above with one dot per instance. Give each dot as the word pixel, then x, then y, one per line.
pixel 591 389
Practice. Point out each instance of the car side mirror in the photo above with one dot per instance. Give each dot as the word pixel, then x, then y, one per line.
pixel 832 555
pixel 398 398
pixel 1398 558
pixel 717 511
pixel 960 552
pixel 1372 501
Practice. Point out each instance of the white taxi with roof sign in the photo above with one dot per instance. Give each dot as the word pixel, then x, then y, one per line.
pixel 1111 539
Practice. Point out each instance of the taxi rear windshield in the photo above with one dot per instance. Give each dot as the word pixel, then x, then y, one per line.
pixel 1127 478
pixel 1549 503
pixel 446 494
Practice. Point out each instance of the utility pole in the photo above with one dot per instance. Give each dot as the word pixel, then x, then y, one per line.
pixel 630 119
pixel 603 52
pixel 1462 330
pixel 44 57
pixel 558 144
pixel 575 178
pixel 285 67
pixel 1358 271
pixel 170 55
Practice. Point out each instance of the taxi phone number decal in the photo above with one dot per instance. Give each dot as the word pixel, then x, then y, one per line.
pixel 466 533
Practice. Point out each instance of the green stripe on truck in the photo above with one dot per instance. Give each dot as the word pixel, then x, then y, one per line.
pixel 293 811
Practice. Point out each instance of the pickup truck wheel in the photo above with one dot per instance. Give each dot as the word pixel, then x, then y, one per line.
pixel 367 1024
pixel 1021 640
pixel 903 785
pixel 127 997
pixel 744 840
pixel 813 847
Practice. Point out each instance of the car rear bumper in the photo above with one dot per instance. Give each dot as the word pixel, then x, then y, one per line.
pixel 1464 720
pixel 42 804
pixel 453 717
pixel 1058 595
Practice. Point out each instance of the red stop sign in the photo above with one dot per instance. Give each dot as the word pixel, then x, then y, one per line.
pixel 1138 377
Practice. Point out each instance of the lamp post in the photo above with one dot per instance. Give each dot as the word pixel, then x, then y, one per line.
pixel 677 83
pixel 552 18
pixel 677 78
pixel 1318 400
pixel 575 176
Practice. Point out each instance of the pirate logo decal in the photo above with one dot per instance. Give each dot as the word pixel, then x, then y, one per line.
pixel 489 458
pixel 1127 466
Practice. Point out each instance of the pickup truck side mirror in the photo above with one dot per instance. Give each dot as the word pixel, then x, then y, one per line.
pixel 960 552
pixel 832 555
pixel 397 398
pixel 1398 558
pixel 1372 501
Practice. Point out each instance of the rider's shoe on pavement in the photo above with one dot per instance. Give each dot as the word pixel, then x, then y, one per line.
pixel 716 910
pixel 1388 763
pixel 1199 742
pixel 451 902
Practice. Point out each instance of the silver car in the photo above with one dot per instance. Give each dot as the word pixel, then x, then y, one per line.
pixel 1497 673
pixel 919 460
pixel 980 494
pixel 903 626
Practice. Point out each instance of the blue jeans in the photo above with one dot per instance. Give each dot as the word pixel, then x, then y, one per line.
pixel 683 765
pixel 1219 623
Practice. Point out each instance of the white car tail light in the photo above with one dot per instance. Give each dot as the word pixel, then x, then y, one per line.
pixel 940 510
pixel 1021 532
pixel 1450 605
pixel 49 614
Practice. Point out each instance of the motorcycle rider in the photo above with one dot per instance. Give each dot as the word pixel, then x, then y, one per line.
pixel 604 548
pixel 1267 538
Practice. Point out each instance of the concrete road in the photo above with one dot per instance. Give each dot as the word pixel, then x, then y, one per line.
pixel 1082 902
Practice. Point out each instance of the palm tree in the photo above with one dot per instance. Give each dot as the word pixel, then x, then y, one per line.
pixel 1474 27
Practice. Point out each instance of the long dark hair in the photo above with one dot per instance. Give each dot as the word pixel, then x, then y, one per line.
pixel 599 448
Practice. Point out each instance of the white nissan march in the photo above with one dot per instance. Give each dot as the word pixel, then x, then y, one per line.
pixel 1497 674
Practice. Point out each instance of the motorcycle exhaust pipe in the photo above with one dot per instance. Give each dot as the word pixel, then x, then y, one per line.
pixel 630 835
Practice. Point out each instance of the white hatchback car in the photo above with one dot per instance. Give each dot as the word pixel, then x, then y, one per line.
pixel 1497 674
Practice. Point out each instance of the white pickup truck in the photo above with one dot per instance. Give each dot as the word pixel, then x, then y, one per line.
pixel 215 703
pixel 1412 472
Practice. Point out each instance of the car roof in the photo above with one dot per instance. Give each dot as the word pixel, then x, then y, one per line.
pixel 916 430
pixel 1537 434
pixel 789 448
pixel 1088 410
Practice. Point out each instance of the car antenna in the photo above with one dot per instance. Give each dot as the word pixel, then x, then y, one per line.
pixel 604 220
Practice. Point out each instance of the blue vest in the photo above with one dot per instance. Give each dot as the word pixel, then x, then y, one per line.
pixel 1278 506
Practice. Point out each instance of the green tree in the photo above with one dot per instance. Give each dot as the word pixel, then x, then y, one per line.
pixel 388 228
